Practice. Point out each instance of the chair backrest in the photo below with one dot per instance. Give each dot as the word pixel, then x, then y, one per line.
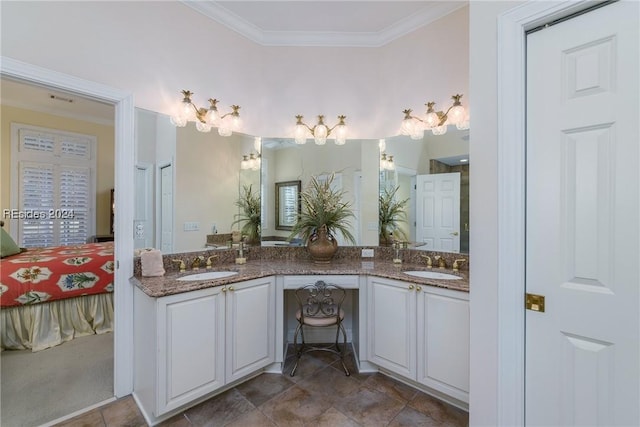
pixel 320 300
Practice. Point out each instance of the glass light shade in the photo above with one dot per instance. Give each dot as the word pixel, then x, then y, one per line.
pixel 407 126
pixel 178 121
pixel 202 127
pixel 341 134
pixel 464 123
pixel 431 120
pixel 300 134
pixel 236 122
pixel 456 115
pixel 418 133
pixel 439 130
pixel 213 118
pixel 390 165
pixel 320 134
pixel 225 128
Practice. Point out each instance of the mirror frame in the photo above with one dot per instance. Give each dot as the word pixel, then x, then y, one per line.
pixel 280 203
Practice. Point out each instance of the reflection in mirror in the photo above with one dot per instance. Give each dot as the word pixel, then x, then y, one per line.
pixel 433 176
pixel 188 195
pixel 285 161
pixel 188 183
pixel 287 204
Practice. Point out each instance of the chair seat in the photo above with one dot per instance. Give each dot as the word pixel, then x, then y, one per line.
pixel 319 321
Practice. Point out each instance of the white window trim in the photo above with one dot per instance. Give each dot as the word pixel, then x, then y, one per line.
pixel 18 156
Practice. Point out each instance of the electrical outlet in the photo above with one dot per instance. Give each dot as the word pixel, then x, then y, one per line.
pixel 367 253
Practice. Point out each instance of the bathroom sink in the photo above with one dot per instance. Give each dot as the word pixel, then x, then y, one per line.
pixel 209 275
pixel 432 275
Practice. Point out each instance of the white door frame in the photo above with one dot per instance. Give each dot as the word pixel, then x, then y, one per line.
pixel 124 176
pixel 512 26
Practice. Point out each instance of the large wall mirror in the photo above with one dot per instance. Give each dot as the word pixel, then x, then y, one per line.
pixel 188 183
pixel 429 181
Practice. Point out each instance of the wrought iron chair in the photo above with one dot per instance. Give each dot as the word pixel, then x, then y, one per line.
pixel 320 306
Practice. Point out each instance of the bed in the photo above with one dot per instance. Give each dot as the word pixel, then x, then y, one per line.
pixel 52 295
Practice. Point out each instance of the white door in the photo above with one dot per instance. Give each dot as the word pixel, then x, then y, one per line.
pixel 166 208
pixel 582 233
pixel 143 209
pixel 438 211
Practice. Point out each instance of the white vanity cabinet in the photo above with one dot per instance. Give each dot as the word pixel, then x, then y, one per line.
pixel 420 333
pixel 250 327
pixel 193 343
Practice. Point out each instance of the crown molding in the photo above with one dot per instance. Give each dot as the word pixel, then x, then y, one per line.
pixel 319 38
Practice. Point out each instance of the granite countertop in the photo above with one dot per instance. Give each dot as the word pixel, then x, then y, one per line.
pixel 168 285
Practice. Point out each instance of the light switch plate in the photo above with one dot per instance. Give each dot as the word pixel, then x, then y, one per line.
pixel 191 226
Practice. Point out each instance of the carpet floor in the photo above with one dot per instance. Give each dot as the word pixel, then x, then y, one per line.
pixel 40 387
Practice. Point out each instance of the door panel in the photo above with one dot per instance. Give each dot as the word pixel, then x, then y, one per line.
pixel 438 211
pixel 392 326
pixel 250 327
pixel 582 220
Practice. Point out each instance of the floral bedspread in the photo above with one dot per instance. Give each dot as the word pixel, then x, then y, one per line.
pixel 49 274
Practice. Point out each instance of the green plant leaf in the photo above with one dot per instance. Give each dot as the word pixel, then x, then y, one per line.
pixel 321 205
pixel 249 216
pixel 390 214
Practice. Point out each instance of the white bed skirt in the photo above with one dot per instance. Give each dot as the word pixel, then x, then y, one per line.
pixel 45 325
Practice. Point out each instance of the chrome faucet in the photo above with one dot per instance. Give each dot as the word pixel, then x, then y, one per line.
pixel 456 263
pixel 195 265
pixel 428 258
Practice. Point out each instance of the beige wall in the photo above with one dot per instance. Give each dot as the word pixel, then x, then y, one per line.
pixel 129 45
pixel 207 184
pixel 105 156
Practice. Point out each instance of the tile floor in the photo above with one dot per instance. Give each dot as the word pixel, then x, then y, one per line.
pixel 318 395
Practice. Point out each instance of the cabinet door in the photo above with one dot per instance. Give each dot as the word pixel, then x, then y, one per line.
pixel 443 341
pixel 250 327
pixel 190 347
pixel 392 325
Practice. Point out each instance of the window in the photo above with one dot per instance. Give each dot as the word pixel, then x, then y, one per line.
pixel 55 192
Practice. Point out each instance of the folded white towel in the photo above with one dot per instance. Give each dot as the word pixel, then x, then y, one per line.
pixel 151 261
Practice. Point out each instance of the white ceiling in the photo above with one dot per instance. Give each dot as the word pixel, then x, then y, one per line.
pixel 45 100
pixel 324 23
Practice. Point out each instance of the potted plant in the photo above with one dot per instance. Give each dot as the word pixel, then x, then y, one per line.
pixel 390 214
pixel 249 216
pixel 323 214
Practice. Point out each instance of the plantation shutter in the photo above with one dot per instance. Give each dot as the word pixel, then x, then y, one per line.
pixel 56 189
pixel 36 196
pixel 75 193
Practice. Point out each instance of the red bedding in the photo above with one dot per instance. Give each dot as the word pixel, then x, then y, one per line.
pixel 49 274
